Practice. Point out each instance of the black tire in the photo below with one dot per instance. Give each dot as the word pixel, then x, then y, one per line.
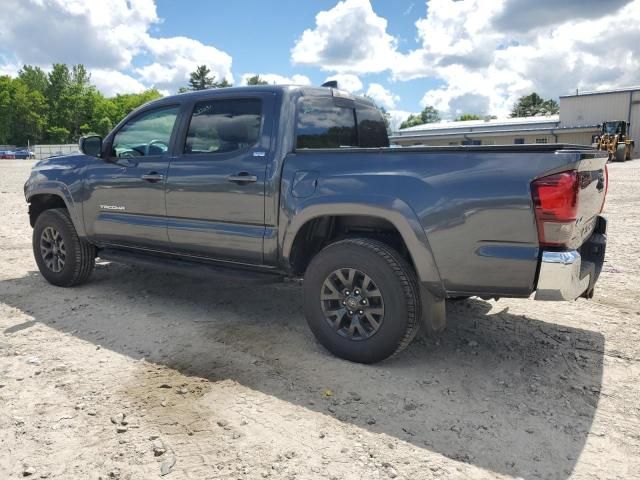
pixel 79 255
pixel 395 281
pixel 621 152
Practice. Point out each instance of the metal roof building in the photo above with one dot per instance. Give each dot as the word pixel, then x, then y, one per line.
pixel 579 120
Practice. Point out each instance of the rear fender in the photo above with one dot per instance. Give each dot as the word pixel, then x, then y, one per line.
pixel 396 211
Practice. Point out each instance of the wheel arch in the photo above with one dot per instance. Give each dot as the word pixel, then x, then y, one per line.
pixel 50 197
pixel 394 213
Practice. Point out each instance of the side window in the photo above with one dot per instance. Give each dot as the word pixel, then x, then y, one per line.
pixel 372 130
pixel 145 135
pixel 321 124
pixel 219 126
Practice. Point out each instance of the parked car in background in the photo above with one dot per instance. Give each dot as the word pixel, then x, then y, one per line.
pixel 22 154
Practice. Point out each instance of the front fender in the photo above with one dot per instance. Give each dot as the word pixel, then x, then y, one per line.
pixel 62 190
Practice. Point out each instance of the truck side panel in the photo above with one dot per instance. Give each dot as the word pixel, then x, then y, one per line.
pixel 475 208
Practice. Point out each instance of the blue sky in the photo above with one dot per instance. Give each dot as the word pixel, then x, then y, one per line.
pixel 464 56
pixel 262 41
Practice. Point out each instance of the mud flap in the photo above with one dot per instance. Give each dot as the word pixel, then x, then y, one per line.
pixel 434 312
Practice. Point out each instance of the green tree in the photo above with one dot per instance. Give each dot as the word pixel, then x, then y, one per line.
pixel 468 116
pixel 60 106
pixel 533 105
pixel 256 80
pixel 57 134
pixel 428 115
pixel 200 79
pixel 6 117
pixel 223 84
pixel 103 126
pixel 29 114
pixel 34 78
pixel 56 95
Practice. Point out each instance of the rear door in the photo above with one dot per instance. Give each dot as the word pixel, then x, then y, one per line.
pixel 125 193
pixel 216 180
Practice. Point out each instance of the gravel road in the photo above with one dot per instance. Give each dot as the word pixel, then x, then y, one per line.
pixel 138 374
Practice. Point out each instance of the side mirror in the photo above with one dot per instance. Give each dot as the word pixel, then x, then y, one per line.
pixel 91 145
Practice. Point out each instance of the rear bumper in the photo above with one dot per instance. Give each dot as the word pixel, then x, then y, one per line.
pixel 571 274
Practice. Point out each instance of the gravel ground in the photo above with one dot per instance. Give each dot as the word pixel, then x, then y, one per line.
pixel 137 373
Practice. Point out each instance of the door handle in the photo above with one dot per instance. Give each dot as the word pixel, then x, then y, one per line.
pixel 242 178
pixel 153 177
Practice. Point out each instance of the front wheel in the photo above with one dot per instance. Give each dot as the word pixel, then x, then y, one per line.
pixel 361 300
pixel 64 259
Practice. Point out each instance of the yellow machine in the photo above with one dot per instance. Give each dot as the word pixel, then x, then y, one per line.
pixel 614 140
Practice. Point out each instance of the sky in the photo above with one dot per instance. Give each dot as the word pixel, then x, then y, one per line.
pixel 460 56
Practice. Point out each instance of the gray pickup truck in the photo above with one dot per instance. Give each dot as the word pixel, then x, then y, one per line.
pixel 267 182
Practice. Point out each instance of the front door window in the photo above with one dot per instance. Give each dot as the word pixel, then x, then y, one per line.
pixel 146 135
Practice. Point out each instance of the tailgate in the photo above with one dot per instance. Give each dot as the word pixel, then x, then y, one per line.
pixel 592 190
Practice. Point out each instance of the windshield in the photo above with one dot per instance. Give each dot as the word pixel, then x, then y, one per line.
pixel 611 128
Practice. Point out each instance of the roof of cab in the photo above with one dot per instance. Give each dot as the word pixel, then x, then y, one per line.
pixel 198 94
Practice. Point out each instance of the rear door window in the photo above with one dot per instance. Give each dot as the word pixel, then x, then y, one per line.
pixel 322 124
pixel 226 125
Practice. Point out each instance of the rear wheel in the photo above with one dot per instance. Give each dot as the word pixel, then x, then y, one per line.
pixel 361 300
pixel 63 258
pixel 621 152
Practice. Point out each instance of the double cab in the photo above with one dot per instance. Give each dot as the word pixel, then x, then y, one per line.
pixel 267 182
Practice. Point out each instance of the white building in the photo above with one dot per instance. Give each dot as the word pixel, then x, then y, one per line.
pixel 579 120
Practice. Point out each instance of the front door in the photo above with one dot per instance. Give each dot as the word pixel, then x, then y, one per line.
pixel 216 180
pixel 125 202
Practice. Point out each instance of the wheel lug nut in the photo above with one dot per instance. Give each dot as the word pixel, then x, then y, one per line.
pixel 346 292
pixel 357 292
pixel 343 302
pixel 350 312
pixel 360 312
pixel 363 302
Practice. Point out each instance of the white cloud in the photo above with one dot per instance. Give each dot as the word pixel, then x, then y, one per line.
pixel 176 57
pixel 347 81
pixel 487 61
pixel 113 82
pixel 485 53
pixel 382 96
pixel 105 36
pixel 348 38
pixel 275 79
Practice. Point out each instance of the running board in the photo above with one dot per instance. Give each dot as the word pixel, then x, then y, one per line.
pixel 203 269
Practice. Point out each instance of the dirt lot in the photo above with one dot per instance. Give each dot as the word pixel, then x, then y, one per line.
pixel 136 370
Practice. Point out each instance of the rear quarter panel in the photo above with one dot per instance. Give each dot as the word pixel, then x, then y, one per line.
pixel 474 208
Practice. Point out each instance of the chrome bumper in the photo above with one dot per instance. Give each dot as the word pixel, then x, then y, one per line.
pixel 560 276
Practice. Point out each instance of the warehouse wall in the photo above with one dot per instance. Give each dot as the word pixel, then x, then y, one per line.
pixel 594 109
pixel 486 140
pixel 634 130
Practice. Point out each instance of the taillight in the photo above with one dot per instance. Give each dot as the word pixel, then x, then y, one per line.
pixel 555 199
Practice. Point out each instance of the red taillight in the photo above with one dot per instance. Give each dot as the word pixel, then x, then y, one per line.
pixel 555 200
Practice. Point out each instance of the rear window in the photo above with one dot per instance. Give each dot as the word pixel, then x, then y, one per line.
pixel 372 130
pixel 322 124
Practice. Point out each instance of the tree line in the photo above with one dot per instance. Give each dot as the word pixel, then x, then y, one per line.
pixel 527 106
pixel 63 104
pixel 59 106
